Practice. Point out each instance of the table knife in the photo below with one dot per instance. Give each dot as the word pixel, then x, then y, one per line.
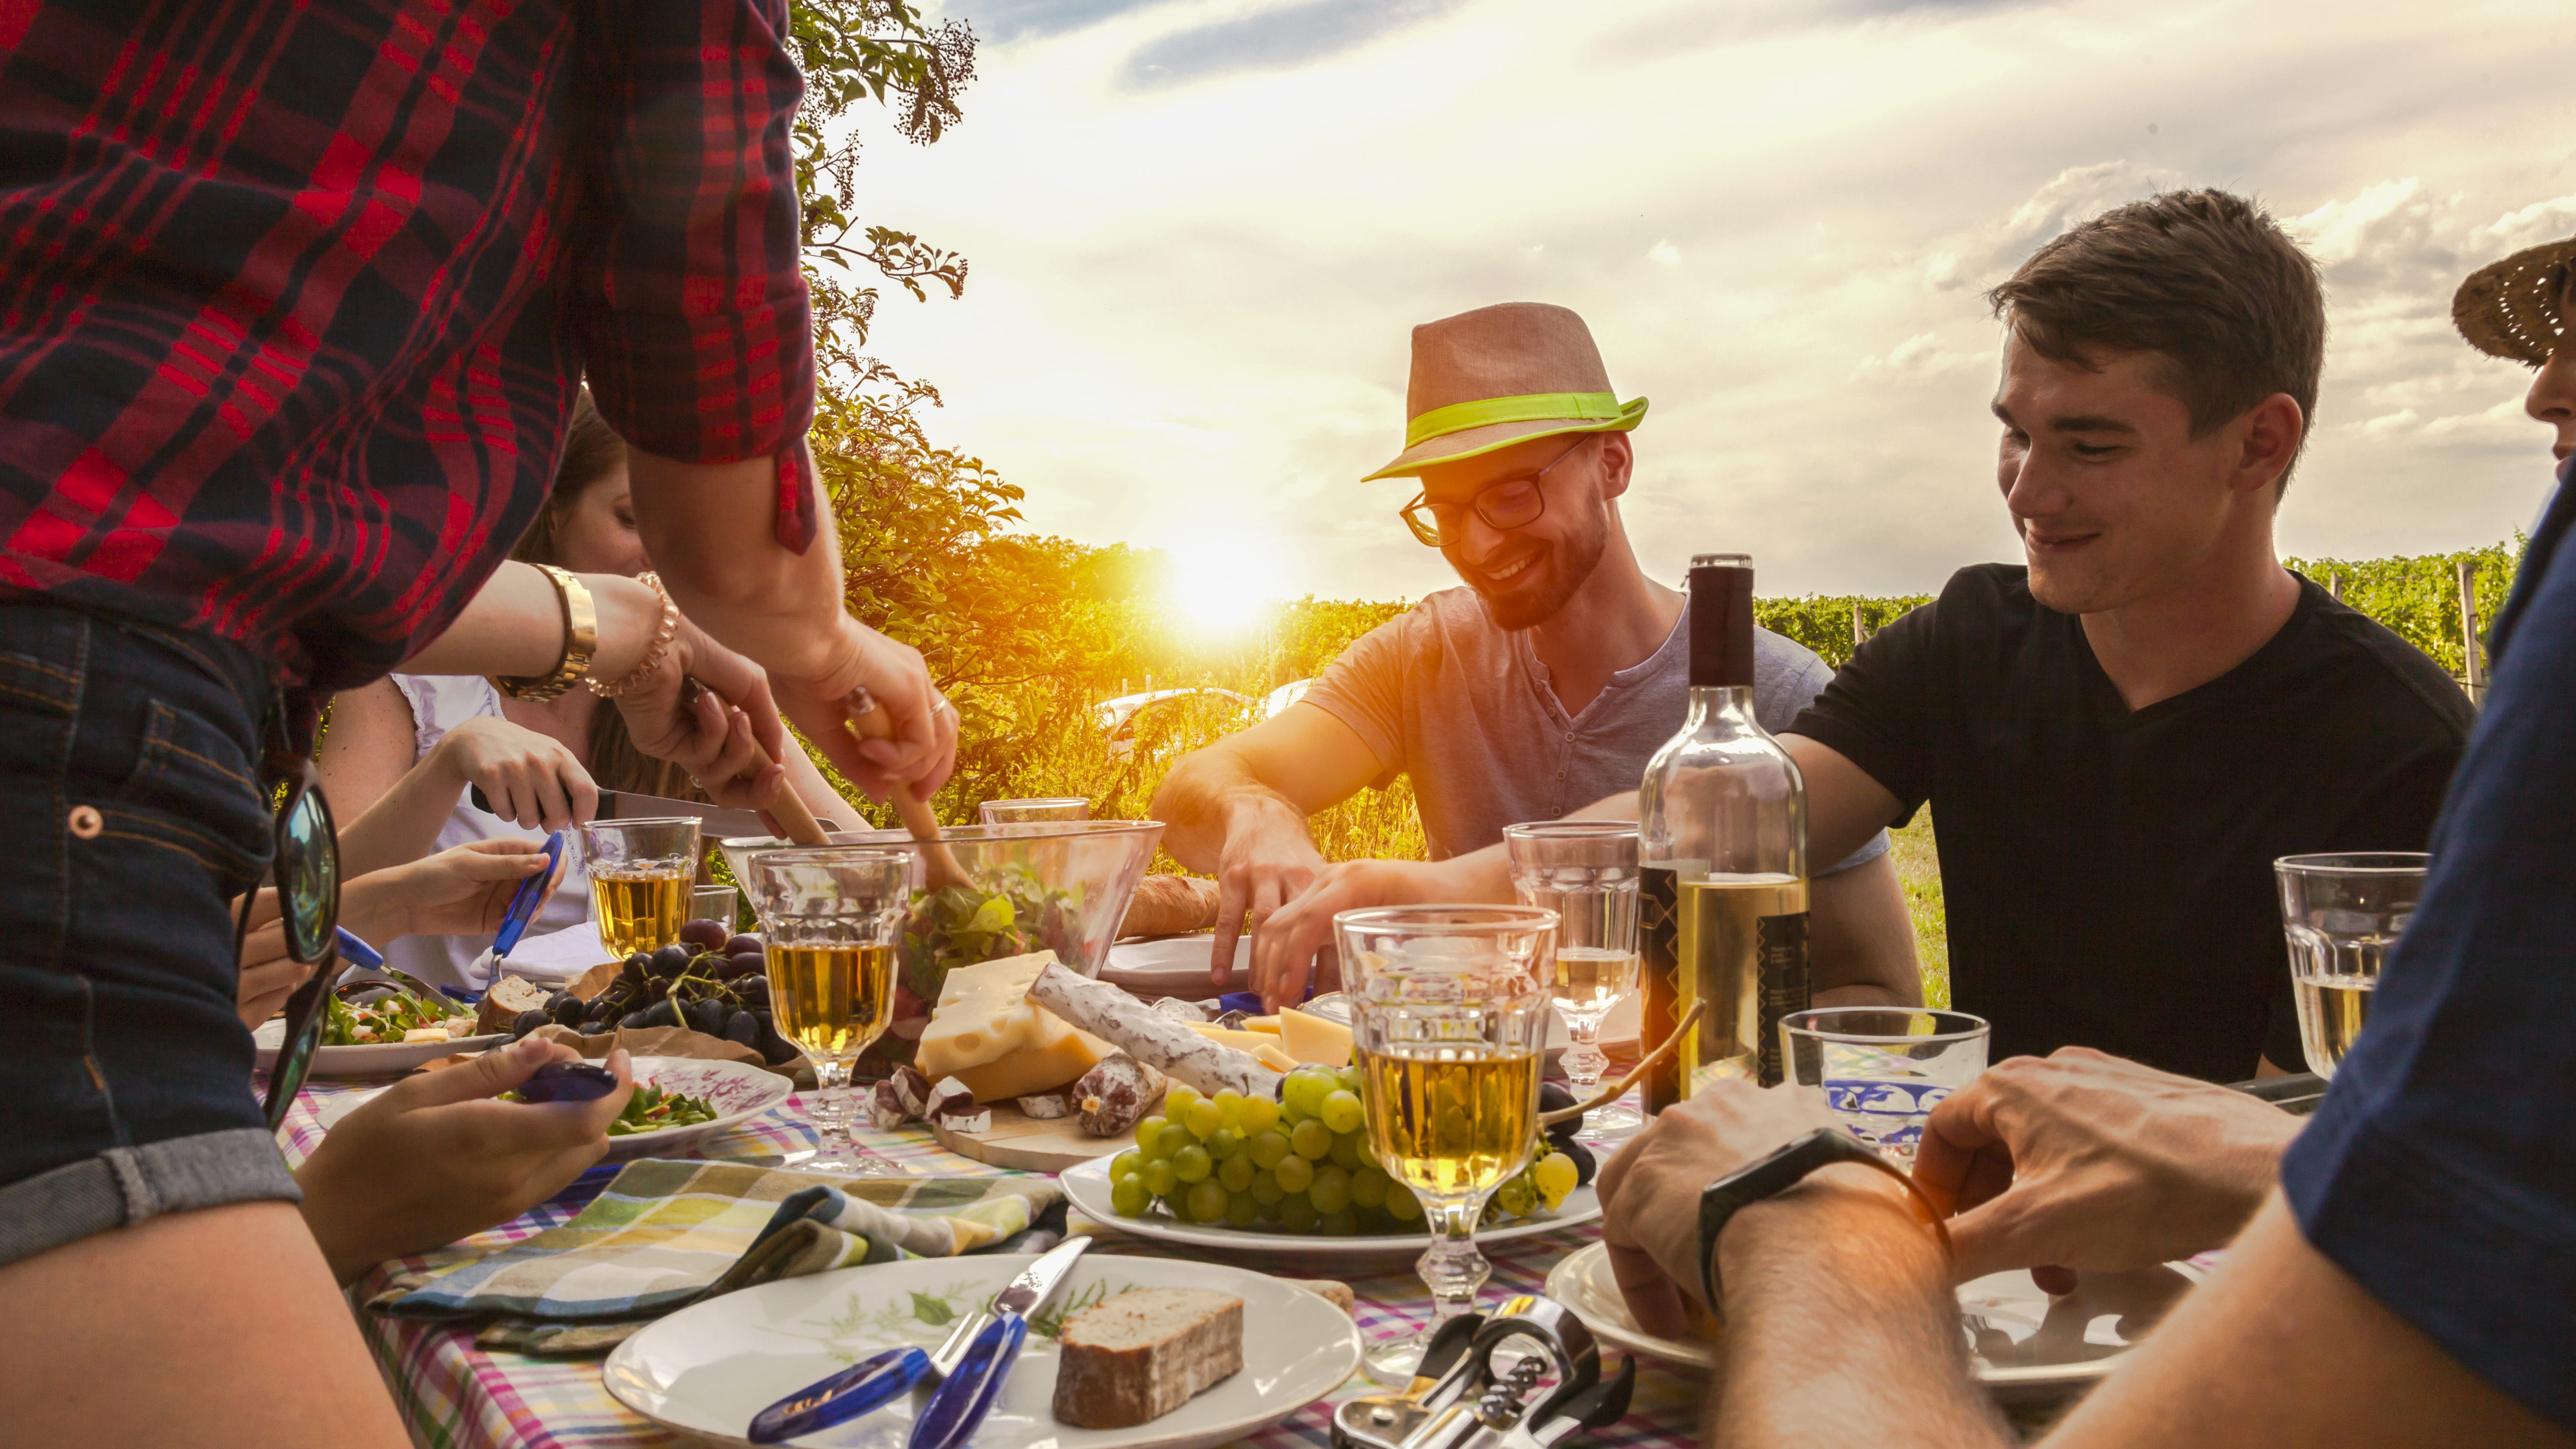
pixel 967 1393
pixel 882 1378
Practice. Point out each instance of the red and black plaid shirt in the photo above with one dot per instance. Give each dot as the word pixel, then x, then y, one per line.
pixel 294 297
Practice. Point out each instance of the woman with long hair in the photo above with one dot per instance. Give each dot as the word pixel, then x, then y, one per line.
pixel 401 756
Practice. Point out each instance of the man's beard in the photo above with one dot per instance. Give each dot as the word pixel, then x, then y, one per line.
pixel 1560 573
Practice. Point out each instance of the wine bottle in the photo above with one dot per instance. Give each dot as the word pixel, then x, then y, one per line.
pixel 1722 831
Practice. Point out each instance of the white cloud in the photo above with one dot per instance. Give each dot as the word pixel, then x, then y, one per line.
pixel 1191 297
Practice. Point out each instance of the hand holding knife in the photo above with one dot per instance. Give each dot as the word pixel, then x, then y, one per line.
pixel 970 1368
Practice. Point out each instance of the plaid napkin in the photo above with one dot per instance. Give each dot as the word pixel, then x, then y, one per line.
pixel 667 1234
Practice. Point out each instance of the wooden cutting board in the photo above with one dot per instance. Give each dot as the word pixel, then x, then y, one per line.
pixel 1024 1143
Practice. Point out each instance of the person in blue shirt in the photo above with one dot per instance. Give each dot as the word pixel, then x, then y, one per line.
pixel 2402 1271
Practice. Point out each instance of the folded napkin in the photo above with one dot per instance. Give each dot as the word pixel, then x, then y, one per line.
pixel 667 1234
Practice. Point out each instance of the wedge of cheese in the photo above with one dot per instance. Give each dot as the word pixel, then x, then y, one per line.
pixel 985 1033
pixel 1310 1038
pixel 1269 1024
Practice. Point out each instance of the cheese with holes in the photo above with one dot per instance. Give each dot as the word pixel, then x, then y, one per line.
pixel 1060 1062
pixel 1311 1038
pixel 987 1035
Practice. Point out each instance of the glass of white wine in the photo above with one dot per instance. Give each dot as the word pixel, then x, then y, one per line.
pixel 642 874
pixel 1586 872
pixel 833 916
pixel 2343 914
pixel 1449 1018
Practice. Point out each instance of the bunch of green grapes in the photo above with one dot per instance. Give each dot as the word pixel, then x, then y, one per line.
pixel 1302 1163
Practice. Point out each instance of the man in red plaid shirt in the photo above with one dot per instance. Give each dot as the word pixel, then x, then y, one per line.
pixel 294 300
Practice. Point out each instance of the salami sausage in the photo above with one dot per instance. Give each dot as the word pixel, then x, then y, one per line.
pixel 1154 1039
pixel 1115 1095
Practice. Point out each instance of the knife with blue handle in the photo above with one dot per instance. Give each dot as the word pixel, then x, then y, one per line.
pixel 871 1383
pixel 974 1353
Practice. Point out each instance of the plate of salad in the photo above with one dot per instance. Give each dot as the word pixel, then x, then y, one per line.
pixel 679 1104
pixel 380 1034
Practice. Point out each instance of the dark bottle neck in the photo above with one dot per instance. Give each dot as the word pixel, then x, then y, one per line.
pixel 1721 628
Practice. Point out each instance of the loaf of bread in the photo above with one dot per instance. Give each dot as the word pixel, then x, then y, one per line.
pixel 1145 1353
pixel 1170 905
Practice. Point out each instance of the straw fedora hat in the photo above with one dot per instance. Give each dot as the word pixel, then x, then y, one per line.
pixel 2510 308
pixel 1501 375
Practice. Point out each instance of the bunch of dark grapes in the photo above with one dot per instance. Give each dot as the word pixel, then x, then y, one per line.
pixel 1553 1097
pixel 709 981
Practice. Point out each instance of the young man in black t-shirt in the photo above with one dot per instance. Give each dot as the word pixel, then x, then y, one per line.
pixel 2119 737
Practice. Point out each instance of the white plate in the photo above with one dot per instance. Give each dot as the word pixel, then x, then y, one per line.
pixel 1088 1188
pixel 708 1368
pixel 333 1063
pixel 2023 1340
pixel 1173 966
pixel 1178 966
pixel 737 1092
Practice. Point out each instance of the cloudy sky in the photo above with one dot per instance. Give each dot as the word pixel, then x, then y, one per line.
pixel 1200 230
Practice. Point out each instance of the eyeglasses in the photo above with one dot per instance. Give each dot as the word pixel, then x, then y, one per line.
pixel 306 865
pixel 1504 503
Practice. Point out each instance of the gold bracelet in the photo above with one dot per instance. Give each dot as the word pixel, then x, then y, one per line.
pixel 653 655
pixel 581 641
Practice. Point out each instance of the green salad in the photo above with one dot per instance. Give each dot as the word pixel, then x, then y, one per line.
pixel 651 1109
pixel 403 1016
pixel 963 925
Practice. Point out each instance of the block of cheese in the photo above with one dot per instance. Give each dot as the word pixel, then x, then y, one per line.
pixel 1242 1041
pixel 1311 1038
pixel 986 1034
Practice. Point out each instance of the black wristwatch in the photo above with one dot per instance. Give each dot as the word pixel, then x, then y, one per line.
pixel 1784 1169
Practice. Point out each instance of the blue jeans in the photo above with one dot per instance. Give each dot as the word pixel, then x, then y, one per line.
pixel 127 776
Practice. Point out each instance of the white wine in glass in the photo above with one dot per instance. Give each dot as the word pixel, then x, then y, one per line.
pixel 833 916
pixel 1449 1022
pixel 640 907
pixel 831 1001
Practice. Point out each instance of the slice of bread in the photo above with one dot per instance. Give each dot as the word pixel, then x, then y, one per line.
pixel 1145 1353
pixel 508 997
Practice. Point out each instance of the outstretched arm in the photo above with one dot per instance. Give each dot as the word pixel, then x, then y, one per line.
pixel 1237 809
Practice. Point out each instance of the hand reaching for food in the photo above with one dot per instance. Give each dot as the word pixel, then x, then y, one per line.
pixel 460 891
pixel 438 1156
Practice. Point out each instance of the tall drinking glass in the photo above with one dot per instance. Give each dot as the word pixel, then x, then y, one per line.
pixel 1586 872
pixel 641 875
pixel 2343 914
pixel 1882 1069
pixel 1449 1018
pixel 1021 812
pixel 834 916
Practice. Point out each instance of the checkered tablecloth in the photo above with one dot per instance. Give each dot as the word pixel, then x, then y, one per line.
pixel 457 1396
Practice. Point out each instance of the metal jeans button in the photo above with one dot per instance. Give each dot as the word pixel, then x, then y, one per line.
pixel 86 822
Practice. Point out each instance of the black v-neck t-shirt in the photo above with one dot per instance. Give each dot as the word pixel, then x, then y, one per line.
pixel 2108 872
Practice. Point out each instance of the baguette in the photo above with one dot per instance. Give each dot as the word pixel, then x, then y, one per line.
pixel 1170 905
pixel 1145 1353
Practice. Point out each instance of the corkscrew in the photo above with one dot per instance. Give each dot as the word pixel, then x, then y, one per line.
pixel 1459 1399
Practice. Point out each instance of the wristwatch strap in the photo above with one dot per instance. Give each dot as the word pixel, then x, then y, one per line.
pixel 1783 1169
pixel 581 641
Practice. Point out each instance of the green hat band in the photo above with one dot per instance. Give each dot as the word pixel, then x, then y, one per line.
pixel 1527 408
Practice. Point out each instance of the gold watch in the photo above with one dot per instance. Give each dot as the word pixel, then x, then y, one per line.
pixel 581 640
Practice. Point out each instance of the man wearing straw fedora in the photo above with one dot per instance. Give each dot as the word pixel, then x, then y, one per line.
pixel 1543 684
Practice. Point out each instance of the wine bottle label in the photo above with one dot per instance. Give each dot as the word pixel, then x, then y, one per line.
pixel 1780 957
pixel 1659 962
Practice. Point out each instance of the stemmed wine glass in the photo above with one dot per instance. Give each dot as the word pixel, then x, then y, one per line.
pixel 1586 872
pixel 1449 1019
pixel 832 917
